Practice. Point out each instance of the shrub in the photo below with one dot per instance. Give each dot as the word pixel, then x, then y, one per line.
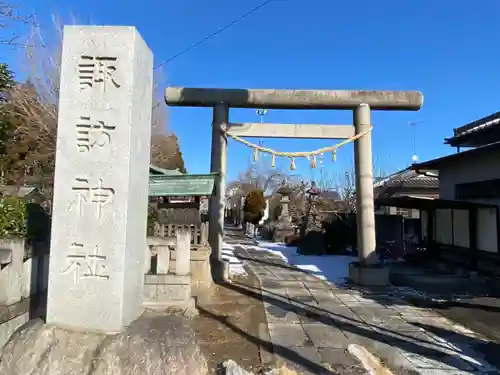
pixel 340 232
pixel 254 206
pixel 13 217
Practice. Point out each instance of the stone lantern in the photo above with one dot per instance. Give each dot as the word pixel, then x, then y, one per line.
pixel 284 226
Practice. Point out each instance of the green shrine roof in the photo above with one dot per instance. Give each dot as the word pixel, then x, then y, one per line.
pixel 154 170
pixel 17 191
pixel 181 185
pixel 172 182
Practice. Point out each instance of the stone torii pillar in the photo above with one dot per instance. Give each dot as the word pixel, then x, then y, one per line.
pixel 361 102
pixel 218 161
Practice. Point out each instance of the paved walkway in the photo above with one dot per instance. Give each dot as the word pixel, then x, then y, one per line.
pixel 313 325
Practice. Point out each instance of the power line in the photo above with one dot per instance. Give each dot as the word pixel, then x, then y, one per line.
pixel 203 40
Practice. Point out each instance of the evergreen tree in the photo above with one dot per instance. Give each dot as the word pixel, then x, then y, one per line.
pixel 254 206
pixel 6 81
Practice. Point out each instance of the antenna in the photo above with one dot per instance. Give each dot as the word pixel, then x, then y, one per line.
pixel 413 125
pixel 261 112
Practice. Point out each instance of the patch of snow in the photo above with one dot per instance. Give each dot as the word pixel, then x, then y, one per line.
pixel 372 364
pixel 332 268
pixel 230 367
pixel 235 265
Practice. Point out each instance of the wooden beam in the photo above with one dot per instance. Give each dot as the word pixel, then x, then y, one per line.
pixel 310 131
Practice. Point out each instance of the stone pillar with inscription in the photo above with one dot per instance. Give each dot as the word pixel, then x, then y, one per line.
pixel 101 181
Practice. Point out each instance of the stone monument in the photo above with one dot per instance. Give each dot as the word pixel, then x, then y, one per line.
pixel 101 179
pixel 95 319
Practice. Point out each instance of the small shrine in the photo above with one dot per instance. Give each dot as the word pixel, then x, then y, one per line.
pixel 177 202
pixel 178 199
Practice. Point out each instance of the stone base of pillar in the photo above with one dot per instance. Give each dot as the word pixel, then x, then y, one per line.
pixel 375 275
pixel 186 307
pixel 220 271
pixel 283 229
pixel 155 341
pixel 165 291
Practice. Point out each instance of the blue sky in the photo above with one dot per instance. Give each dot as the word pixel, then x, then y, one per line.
pixel 446 49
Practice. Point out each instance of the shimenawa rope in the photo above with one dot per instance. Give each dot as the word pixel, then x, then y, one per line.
pixel 299 154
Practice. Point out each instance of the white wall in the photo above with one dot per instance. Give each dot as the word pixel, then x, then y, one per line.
pixel 461 228
pixel 452 227
pixel 443 226
pixel 487 221
pixel 469 169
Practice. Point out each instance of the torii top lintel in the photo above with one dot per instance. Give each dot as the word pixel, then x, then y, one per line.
pixel 294 99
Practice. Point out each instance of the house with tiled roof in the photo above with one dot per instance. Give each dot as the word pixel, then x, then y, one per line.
pixel 462 227
pixel 405 183
pixel 478 133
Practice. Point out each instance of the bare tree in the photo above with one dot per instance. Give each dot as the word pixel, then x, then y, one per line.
pixel 165 149
pixel 255 177
pixel 346 187
pixel 165 152
pixel 33 111
pixel 9 16
pixel 32 108
pixel 30 152
pixel 347 190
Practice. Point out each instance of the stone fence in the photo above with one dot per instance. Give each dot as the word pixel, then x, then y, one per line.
pixel 24 270
pixel 175 271
pixel 199 232
pixel 173 266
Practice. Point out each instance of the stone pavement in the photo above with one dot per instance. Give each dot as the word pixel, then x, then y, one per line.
pixel 312 323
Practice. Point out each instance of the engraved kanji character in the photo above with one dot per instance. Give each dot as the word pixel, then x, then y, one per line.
pixel 75 262
pixel 98 195
pixel 101 196
pixel 82 192
pixel 85 266
pixel 96 266
pixel 92 133
pixel 94 70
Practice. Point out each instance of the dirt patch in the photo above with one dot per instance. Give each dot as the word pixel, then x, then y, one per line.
pixel 228 325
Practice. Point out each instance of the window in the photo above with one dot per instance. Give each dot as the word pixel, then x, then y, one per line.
pixel 480 189
pixel 405 212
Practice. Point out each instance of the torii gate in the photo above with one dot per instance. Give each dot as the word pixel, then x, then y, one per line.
pixel 361 102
